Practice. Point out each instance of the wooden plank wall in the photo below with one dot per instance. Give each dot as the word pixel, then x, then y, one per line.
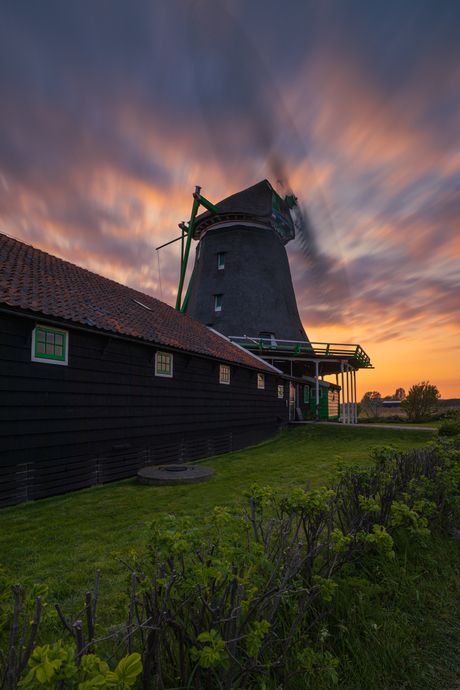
pixel 106 415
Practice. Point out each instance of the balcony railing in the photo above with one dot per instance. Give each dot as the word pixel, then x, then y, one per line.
pixel 305 349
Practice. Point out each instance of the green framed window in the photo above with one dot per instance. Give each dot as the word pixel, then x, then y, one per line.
pixel 217 302
pixel 50 345
pixel 306 394
pixel 220 261
pixel 224 374
pixel 280 391
pixel 261 381
pixel 164 364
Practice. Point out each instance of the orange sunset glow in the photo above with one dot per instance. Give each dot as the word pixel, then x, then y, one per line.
pixel 112 112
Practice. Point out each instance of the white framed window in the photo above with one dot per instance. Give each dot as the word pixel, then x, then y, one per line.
pixel 280 391
pixel 224 374
pixel 268 339
pixel 217 302
pixel 50 345
pixel 260 380
pixel 164 364
pixel 220 261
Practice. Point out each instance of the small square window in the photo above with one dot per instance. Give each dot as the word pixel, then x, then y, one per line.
pixel 268 339
pixel 217 302
pixel 220 261
pixel 49 345
pixel 260 380
pixel 224 376
pixel 163 364
pixel 280 391
pixel 306 394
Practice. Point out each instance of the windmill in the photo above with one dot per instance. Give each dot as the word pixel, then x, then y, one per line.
pixel 241 284
pixel 241 281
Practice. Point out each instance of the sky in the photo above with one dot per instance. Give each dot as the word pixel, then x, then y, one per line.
pixel 111 111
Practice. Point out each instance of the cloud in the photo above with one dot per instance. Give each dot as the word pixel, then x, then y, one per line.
pixel 102 140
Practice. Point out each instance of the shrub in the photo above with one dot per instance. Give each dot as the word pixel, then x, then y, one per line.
pixel 235 602
pixel 450 427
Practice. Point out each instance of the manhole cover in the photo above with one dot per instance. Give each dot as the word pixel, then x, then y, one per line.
pixel 174 474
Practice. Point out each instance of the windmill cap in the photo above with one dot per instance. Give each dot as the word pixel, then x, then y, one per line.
pixel 260 204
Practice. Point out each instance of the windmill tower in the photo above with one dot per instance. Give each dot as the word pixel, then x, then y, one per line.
pixel 241 280
pixel 241 286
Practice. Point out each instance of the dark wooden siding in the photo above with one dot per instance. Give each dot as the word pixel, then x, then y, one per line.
pixel 106 414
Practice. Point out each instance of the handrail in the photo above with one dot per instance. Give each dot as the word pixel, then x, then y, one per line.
pixel 306 347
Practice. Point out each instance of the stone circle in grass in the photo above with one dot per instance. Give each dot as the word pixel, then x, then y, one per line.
pixel 168 475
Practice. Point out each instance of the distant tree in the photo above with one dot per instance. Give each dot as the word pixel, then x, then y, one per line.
pixel 371 403
pixel 421 400
pixel 400 394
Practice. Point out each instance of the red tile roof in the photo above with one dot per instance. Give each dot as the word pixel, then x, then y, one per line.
pixel 34 280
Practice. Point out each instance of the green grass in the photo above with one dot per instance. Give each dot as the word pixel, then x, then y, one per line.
pixel 394 624
pixel 425 425
pixel 63 540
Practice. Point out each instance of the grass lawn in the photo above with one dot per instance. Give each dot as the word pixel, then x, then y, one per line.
pixel 63 540
pixel 403 422
pixel 393 624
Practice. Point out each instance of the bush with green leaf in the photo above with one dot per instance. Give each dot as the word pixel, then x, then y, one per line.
pixel 449 428
pixel 237 602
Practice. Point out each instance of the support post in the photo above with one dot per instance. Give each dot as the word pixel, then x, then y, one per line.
pixel 348 391
pixel 197 201
pixel 343 394
pixel 317 389
pixel 352 400
pixel 356 400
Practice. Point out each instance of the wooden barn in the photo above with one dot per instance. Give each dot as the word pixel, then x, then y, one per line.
pixel 99 380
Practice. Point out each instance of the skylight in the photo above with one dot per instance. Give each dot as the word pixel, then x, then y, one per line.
pixel 142 305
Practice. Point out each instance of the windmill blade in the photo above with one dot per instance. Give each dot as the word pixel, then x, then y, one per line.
pixel 250 130
pixel 234 92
